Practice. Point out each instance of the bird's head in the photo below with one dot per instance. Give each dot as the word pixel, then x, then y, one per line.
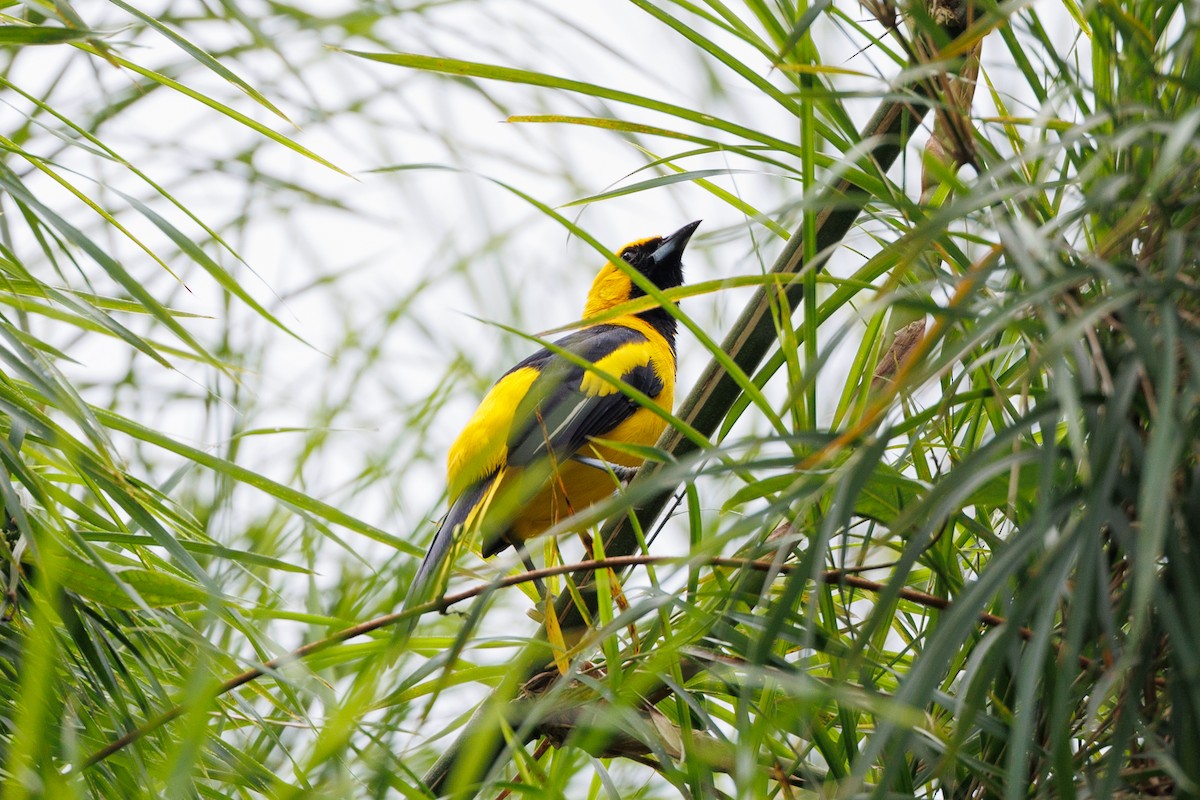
pixel 659 258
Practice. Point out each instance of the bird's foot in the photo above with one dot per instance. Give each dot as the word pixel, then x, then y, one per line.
pixel 624 474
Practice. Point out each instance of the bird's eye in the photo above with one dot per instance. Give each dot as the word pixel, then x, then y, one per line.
pixel 629 255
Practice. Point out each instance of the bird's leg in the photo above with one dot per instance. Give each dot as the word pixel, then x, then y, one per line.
pixel 618 593
pixel 624 474
pixel 527 560
pixel 553 634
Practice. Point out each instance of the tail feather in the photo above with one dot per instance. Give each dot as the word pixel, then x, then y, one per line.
pixel 430 575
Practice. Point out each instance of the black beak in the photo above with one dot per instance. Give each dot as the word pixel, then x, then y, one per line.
pixel 671 249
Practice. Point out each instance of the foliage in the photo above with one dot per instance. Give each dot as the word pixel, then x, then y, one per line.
pixel 963 565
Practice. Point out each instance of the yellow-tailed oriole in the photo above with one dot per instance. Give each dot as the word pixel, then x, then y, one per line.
pixel 527 458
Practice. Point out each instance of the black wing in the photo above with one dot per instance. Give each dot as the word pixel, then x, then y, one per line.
pixel 557 414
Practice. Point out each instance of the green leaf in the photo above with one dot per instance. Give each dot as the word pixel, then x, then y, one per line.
pixel 21 35
pixel 118 587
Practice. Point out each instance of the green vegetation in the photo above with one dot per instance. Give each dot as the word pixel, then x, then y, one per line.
pixel 927 522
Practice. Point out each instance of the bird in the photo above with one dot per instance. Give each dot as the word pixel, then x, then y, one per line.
pixel 529 457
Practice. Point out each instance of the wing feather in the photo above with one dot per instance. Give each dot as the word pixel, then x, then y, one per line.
pixel 566 405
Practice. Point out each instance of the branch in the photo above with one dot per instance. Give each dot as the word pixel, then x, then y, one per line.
pixel 444 603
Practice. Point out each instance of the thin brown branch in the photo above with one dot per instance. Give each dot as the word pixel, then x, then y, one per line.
pixel 442 604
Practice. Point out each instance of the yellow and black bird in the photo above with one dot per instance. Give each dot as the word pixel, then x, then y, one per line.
pixel 528 458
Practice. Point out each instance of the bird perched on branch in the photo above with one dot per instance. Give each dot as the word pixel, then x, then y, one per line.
pixel 529 456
